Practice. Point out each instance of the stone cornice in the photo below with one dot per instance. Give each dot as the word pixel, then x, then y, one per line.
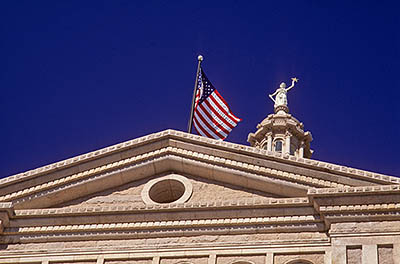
pixel 101 232
pixel 380 189
pixel 119 222
pixel 255 217
pixel 231 147
pixel 197 223
pixel 357 204
pixel 97 172
pixel 204 205
pixel 362 216
pixel 361 213
pixel 360 208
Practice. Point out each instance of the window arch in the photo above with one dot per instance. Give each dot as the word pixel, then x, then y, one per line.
pixel 264 144
pixel 242 262
pixel 299 261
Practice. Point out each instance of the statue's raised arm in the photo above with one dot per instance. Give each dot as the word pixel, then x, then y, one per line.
pixel 294 80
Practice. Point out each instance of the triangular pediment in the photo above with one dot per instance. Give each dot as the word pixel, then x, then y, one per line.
pixel 168 188
pixel 226 165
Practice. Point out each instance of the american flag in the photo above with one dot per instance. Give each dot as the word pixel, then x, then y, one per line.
pixel 212 117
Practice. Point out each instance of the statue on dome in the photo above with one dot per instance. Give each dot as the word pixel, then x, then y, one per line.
pixel 280 94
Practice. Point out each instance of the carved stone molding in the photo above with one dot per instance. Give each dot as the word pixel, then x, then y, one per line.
pixel 107 170
pixel 190 138
pixel 10 236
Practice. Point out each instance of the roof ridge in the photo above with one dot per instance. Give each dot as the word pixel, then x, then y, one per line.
pixel 315 164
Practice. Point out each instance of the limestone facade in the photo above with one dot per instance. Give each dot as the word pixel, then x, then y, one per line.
pixel 173 197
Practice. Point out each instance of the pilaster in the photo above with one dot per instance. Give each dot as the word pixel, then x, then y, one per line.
pixel 339 254
pixel 269 258
pixel 212 259
pixel 301 149
pixel 287 143
pixel 369 254
pixel 269 142
pixel 396 253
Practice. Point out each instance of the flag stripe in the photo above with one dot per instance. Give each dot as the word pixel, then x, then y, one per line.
pixel 217 119
pixel 209 128
pixel 210 125
pixel 222 102
pixel 211 105
pixel 222 112
pixel 200 130
pixel 206 132
pixel 212 121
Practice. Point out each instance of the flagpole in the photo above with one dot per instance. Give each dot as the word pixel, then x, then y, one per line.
pixel 200 59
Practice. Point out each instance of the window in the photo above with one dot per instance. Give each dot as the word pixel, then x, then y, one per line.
pixel 278 146
pixel 292 149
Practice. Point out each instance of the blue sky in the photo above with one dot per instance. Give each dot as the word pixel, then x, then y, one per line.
pixel 76 76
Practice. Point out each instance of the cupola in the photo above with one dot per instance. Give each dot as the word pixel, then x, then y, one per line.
pixel 281 132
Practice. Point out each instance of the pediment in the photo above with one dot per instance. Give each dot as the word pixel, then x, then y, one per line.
pixel 165 189
pixel 231 166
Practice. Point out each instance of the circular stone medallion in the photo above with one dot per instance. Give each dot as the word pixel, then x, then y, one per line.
pixel 167 189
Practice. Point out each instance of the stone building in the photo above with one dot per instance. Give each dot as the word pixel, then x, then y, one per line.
pixel 173 197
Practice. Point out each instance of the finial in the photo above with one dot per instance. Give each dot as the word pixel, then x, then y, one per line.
pixel 200 58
